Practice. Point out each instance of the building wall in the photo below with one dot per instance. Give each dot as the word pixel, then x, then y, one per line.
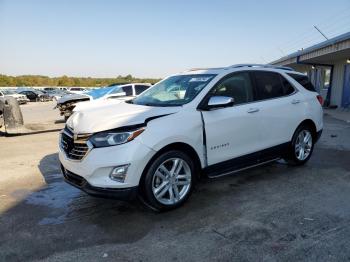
pixel 338 82
pixel 338 79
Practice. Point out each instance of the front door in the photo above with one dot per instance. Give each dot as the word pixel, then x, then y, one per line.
pixel 31 95
pixel 232 132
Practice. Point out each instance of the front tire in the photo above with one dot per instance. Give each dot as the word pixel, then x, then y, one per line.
pixel 169 181
pixel 301 147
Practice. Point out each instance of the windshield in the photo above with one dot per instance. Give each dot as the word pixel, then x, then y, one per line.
pixel 174 91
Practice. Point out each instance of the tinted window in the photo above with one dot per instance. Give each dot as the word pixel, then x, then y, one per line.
pixel 304 81
pixel 127 90
pixel 140 88
pixel 237 86
pixel 288 88
pixel 269 85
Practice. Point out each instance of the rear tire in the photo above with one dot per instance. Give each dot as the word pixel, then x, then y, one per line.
pixel 168 181
pixel 301 146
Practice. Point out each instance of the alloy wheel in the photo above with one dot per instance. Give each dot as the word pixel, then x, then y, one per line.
pixel 303 145
pixel 171 181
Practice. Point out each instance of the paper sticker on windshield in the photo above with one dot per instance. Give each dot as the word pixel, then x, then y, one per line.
pixel 199 79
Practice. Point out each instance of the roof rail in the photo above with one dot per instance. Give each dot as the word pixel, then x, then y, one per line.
pixel 205 68
pixel 262 65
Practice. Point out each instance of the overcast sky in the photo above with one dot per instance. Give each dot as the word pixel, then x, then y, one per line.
pixel 104 38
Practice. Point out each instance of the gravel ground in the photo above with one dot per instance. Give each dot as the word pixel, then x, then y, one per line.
pixel 270 213
pixel 39 116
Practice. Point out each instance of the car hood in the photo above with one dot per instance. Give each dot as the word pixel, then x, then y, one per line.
pixel 70 97
pixel 114 115
pixel 16 95
pixel 95 103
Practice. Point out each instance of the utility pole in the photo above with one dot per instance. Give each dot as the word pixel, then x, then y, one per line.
pixel 321 32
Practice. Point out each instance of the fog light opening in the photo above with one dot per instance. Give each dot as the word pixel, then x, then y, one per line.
pixel 118 173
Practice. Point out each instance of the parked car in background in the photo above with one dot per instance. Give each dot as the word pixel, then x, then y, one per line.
pixel 77 90
pixel 50 98
pixel 2 107
pixel 56 94
pixel 50 88
pixel 97 97
pixel 113 94
pixel 221 120
pixel 35 95
pixel 21 99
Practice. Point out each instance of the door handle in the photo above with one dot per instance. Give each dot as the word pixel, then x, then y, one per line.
pixel 295 101
pixel 253 110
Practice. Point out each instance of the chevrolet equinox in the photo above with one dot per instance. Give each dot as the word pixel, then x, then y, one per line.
pixel 212 121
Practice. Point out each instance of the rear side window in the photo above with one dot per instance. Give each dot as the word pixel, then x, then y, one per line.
pixel 288 88
pixel 127 90
pixel 140 88
pixel 304 81
pixel 268 84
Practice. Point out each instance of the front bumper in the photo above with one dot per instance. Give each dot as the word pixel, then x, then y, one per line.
pixel 96 166
pixel 77 181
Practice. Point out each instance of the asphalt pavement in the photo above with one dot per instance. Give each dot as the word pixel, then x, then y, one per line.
pixel 270 213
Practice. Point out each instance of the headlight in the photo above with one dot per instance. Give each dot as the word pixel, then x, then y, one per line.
pixel 110 138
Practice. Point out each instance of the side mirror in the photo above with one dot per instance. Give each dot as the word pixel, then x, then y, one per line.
pixel 219 102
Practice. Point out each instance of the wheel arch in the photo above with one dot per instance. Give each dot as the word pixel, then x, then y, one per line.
pixel 310 123
pixel 186 148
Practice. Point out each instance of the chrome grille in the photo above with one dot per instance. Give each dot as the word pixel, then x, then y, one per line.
pixel 74 149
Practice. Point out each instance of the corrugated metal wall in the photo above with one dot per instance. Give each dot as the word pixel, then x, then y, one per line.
pixel 338 82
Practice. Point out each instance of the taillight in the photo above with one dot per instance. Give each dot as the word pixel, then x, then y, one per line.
pixel 320 99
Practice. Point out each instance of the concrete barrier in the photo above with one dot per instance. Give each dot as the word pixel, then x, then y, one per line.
pixel 12 115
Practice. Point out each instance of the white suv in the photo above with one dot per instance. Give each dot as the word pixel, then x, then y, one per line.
pixel 209 122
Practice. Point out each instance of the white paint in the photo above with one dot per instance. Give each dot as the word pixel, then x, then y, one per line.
pixel 234 130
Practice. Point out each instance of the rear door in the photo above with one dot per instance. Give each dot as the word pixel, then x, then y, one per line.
pixel 281 108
